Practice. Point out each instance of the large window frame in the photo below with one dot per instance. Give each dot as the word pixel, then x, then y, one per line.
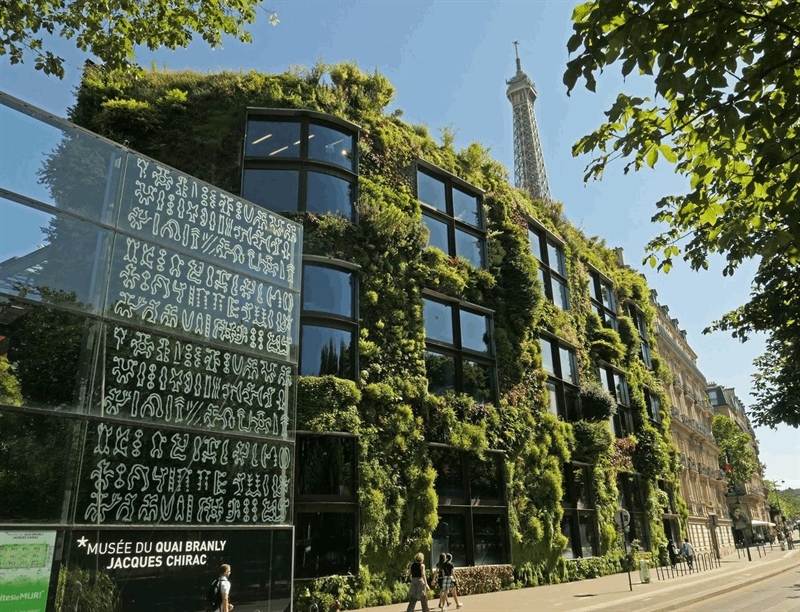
pixel 327 320
pixel 462 506
pixel 615 382
pixel 653 403
pixel 300 158
pixel 447 213
pixel 579 507
pixel 549 252
pixel 563 380
pixel 451 344
pixel 639 321
pixel 603 298
pixel 314 508
pixel 632 498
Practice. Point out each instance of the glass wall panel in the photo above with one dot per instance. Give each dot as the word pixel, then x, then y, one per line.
pixel 552 392
pixel 566 531
pixel 327 290
pixel 441 372
pixel 536 244
pixel 330 145
pixel 488 534
pixel 266 138
pixel 438 321
pixel 437 231
pixel 560 293
pixel 325 544
pixel 470 247
pixel 451 536
pixel 37 466
pixel 328 194
pixel 555 255
pixel 449 482
pixel 547 356
pixel 474 331
pixel 326 351
pixel 466 208
pixel 431 191
pixel 478 381
pixel 486 478
pixel 50 352
pixel 569 365
pixel 586 526
pixel 274 189
pixel 326 465
pixel 53 258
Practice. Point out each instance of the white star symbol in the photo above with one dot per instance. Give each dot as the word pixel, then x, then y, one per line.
pixel 82 542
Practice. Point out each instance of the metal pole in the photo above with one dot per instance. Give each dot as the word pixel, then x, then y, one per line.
pixel 625 550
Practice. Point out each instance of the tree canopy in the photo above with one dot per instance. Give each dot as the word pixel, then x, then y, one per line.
pixel 725 109
pixel 113 29
pixel 736 456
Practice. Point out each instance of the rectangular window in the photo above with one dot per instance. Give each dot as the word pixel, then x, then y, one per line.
pixel 639 321
pixel 453 214
pixel 631 497
pixel 579 524
pixel 561 364
pixel 604 301
pixel 653 405
pixel 552 265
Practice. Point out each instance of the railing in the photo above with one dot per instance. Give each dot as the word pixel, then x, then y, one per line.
pixel 701 563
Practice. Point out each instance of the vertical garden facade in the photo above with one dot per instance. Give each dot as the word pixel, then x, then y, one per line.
pixel 475 375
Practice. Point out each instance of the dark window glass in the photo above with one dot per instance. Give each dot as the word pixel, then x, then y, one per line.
pixel 645 353
pixel 555 255
pixel 328 194
pixel 325 465
pixel 466 208
pixel 449 477
pixel 488 534
pixel 470 247
pixel 566 531
pixel 608 299
pixel 485 478
pixel 622 389
pixel 569 365
pixel 438 233
pixel 560 293
pixel 276 190
pixel 572 407
pixel 536 244
pixel 474 331
pixel 586 526
pixel 581 483
pixel 441 372
pixel 438 321
pixel 267 138
pixel 326 351
pixel 325 544
pixel 431 191
pixel 451 536
pixel 327 290
pixel 478 381
pixel 547 356
pixel 330 145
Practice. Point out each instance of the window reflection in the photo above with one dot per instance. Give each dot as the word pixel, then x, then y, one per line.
pixel 431 191
pixel 474 331
pixel 485 478
pixel 450 536
pixel 488 533
pixel 569 366
pixel 330 145
pixel 275 190
pixel 325 544
pixel 327 290
pixel 437 231
pixel 326 351
pixel 466 208
pixel 267 138
pixel 586 525
pixel 560 294
pixel 547 356
pixel 536 244
pixel 438 321
pixel 478 382
pixel 326 465
pixel 441 373
pixel 566 531
pixel 449 479
pixel 555 256
pixel 552 392
pixel 470 247
pixel 328 194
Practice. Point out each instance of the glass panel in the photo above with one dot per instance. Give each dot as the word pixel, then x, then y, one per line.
pixel 330 145
pixel 326 351
pixel 266 138
pixel 560 293
pixel 438 321
pixel 604 380
pixel 569 365
pixel 582 483
pixel 488 533
pixel 572 404
pixel 441 373
pixel 276 190
pixel 543 278
pixel 58 165
pixel 470 247
pixel 566 531
pixel 325 544
pixel 466 207
pixel 478 382
pixel 325 465
pixel 586 525
pixel 646 354
pixel 555 256
pixel 611 321
pixel 547 356
pixel 52 258
pixel 535 242
pixel 450 536
pixel 449 482
pixel 474 331
pixel 37 466
pixel 552 392
pixel 608 297
pixel 50 352
pixel 638 529
pixel 485 478
pixel 437 231
pixel 328 194
pixel 431 191
pixel 328 290
pixel 621 389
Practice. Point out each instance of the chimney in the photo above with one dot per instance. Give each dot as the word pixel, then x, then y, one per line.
pixel 620 256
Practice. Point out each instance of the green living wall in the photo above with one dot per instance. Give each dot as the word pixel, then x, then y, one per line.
pixel 196 123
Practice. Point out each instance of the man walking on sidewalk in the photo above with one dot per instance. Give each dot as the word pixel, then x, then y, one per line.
pixel 688 551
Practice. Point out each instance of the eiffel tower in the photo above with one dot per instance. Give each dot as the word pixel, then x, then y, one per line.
pixel 529 170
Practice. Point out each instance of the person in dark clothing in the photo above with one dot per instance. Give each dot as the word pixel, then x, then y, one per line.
pixel 673 554
pixel 449 583
pixel 418 590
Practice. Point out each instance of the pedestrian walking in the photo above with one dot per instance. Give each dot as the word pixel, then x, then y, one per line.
pixel 687 550
pixel 438 577
pixel 418 589
pixel 450 583
pixel 673 554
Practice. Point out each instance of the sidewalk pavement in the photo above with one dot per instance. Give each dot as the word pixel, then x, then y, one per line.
pixel 613 592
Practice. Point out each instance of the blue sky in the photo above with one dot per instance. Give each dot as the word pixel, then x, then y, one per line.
pixel 448 61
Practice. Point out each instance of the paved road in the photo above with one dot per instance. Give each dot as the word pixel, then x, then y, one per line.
pixel 780 593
